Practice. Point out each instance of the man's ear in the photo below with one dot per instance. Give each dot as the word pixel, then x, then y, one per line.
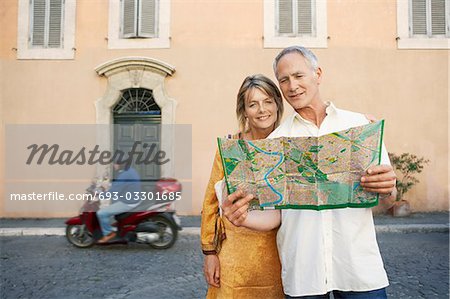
pixel 318 74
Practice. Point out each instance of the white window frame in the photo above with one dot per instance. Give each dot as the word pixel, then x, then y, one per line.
pixel 273 40
pixel 24 48
pixel 405 41
pixel 116 41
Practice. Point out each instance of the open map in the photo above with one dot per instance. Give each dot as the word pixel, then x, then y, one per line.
pixel 304 172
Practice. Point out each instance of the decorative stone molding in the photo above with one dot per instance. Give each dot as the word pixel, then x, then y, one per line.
pixel 137 72
pixel 117 65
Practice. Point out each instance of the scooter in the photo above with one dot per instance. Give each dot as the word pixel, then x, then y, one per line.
pixel 154 224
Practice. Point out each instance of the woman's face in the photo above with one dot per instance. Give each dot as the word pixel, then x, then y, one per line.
pixel 260 109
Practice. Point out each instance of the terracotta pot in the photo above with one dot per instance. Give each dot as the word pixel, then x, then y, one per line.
pixel 400 208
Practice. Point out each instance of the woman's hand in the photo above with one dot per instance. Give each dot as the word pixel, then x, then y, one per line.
pixel 211 270
pixel 235 207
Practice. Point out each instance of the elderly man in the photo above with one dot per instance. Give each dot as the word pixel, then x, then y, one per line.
pixel 329 251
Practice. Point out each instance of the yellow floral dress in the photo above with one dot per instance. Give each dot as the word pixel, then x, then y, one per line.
pixel 249 262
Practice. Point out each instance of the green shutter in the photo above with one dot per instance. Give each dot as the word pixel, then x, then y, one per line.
pixel 55 20
pixel 285 17
pixel 419 17
pixel 129 18
pixel 305 17
pixel 147 18
pixel 38 23
pixel 438 17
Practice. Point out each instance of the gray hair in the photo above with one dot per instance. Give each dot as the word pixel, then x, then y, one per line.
pixel 309 56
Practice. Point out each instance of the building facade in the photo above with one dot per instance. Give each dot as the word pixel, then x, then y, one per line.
pixel 182 62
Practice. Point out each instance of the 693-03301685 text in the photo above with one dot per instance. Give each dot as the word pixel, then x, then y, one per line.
pixel 131 196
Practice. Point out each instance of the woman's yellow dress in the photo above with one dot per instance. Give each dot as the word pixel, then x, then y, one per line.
pixel 249 262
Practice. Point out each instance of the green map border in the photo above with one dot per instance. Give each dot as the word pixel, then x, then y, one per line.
pixel 223 163
pixel 314 207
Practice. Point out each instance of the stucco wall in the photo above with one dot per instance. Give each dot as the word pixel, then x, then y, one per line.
pixel 214 45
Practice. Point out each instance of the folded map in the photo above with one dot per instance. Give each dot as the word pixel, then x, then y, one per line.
pixel 304 172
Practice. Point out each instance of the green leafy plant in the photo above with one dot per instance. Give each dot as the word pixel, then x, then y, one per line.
pixel 408 165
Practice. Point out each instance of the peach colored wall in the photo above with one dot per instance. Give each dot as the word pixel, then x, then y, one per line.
pixel 214 45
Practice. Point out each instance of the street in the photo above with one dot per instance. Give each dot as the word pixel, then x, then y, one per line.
pixel 49 267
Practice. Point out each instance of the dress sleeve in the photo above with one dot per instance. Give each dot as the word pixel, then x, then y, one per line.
pixel 210 210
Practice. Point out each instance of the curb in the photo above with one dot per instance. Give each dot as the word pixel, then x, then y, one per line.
pixel 392 228
pixel 413 228
pixel 61 231
pixel 32 231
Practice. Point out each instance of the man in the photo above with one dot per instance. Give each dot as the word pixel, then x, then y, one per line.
pixel 329 251
pixel 122 193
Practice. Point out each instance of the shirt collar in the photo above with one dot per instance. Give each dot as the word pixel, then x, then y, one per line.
pixel 330 110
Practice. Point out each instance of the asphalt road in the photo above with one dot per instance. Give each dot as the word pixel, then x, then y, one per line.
pixel 49 267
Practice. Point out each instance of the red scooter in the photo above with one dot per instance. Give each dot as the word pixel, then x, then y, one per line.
pixel 154 224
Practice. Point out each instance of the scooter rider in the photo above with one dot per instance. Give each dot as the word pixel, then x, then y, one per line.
pixel 126 183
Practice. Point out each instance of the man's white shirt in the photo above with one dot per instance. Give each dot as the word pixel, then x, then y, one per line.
pixel 327 250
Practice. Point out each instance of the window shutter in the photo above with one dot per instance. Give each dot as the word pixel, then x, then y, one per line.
pixel 438 17
pixel 38 21
pixel 147 18
pixel 305 17
pixel 54 27
pixel 419 16
pixel 285 17
pixel 129 17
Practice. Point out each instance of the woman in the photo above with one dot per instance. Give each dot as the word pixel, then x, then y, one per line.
pixel 247 265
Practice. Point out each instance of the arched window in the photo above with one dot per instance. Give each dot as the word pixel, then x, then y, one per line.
pixel 137 101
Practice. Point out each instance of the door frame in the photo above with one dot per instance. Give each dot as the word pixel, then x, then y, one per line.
pixel 137 72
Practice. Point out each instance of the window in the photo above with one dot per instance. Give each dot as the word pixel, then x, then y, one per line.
pixel 46 29
pixel 137 100
pixel 138 24
pixel 139 18
pixel 428 18
pixel 289 22
pixel 295 18
pixel 46 22
pixel 423 24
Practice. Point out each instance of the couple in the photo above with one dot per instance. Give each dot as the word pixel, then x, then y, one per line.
pixel 321 252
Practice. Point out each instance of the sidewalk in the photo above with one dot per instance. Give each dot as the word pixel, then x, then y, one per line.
pixel 417 222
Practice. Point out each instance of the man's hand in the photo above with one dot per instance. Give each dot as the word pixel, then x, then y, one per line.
pixel 379 179
pixel 371 118
pixel 235 207
pixel 211 270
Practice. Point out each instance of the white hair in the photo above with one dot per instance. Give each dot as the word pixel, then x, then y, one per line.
pixel 306 53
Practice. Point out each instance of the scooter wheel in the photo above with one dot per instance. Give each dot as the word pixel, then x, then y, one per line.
pixel 167 232
pixel 79 236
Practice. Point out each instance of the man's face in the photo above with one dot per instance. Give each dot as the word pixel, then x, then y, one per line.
pixel 298 82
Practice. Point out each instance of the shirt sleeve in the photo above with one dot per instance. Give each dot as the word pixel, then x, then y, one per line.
pixel 210 210
pixel 384 156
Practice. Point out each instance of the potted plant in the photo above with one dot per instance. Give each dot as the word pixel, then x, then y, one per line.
pixel 406 166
